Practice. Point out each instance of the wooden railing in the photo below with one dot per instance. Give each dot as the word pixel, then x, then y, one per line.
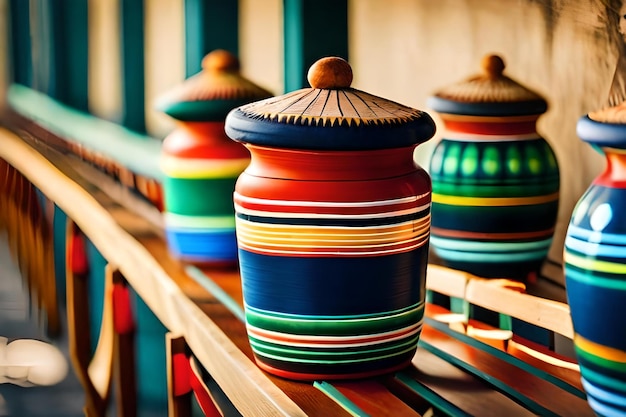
pixel 462 367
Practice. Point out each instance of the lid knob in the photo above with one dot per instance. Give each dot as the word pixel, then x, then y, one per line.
pixel 493 66
pixel 331 73
pixel 220 60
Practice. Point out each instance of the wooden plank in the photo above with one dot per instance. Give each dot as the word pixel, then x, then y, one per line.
pixel 249 389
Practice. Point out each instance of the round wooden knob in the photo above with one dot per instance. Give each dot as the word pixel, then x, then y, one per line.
pixel 330 73
pixel 220 60
pixel 493 66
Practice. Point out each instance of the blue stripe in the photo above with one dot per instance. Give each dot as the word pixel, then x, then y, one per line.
pixel 213 246
pixel 606 396
pixel 463 256
pixel 333 285
pixel 594 236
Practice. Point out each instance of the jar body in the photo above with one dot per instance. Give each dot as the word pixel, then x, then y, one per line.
pixel 333 250
pixel 595 273
pixel 201 165
pixel 495 196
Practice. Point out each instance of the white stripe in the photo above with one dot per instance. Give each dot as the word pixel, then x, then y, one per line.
pixel 284 215
pixel 267 202
pixel 349 341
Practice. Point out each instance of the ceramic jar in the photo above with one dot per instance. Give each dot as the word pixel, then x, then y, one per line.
pixel 201 164
pixel 495 179
pixel 595 267
pixel 333 220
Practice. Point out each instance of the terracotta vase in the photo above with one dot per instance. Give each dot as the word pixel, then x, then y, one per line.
pixel 595 267
pixel 495 179
pixel 333 221
pixel 201 164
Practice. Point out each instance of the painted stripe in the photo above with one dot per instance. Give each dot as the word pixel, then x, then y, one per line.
pixel 343 401
pixel 353 318
pixel 348 251
pixel 462 234
pixel 296 240
pixel 294 203
pixel 594 280
pixel 308 231
pixel 490 257
pixel 601 351
pixel 595 249
pixel 593 264
pixel 604 380
pixel 468 137
pixel 371 358
pixel 493 202
pixel 332 341
pixel 314 215
pixel 604 410
pixel 202 168
pixel 595 236
pixel 475 246
pixel 179 221
pixel 605 396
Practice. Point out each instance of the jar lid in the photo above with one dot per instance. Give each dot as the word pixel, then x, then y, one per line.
pixel 329 116
pixel 605 127
pixel 210 94
pixel 488 94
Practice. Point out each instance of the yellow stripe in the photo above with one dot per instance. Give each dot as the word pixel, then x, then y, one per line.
pixel 202 168
pixel 605 352
pixel 595 265
pixel 493 201
pixel 268 229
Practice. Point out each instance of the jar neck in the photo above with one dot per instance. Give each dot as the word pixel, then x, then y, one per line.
pixel 315 165
pixel 515 127
pixel 614 174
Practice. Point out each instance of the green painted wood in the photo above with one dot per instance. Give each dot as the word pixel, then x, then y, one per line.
pixel 312 29
pixel 133 64
pixel 209 25
pixel 68 54
pixel 18 33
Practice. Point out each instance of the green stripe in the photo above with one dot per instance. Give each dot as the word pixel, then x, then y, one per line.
pixel 599 379
pixel 334 327
pixel 593 280
pixel 599 361
pixel 368 358
pixel 462 188
pixel 193 197
pixel 199 222
pixel 431 396
pixel 340 399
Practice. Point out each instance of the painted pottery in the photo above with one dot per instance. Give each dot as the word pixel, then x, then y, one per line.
pixel 201 164
pixel 333 220
pixel 495 179
pixel 595 267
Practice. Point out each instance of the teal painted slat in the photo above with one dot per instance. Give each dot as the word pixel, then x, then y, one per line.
pixel 19 45
pixel 442 327
pixel 312 29
pixel 133 64
pixel 443 405
pixel 68 26
pixel 209 25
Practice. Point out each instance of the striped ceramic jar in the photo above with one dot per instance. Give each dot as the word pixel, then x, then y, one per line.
pixel 495 179
pixel 595 268
pixel 333 221
pixel 201 164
